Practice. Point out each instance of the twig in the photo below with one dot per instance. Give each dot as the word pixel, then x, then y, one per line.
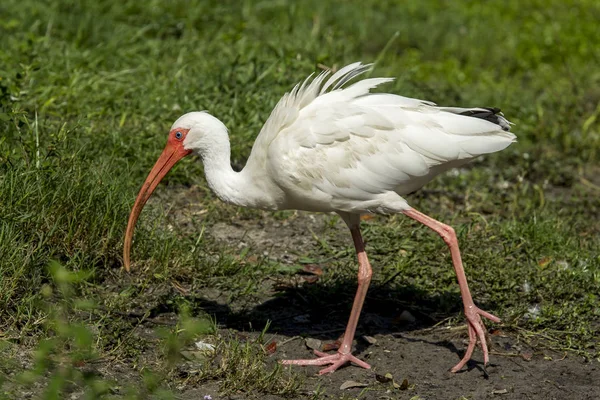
pixel 288 341
pixel 497 353
pixel 436 327
pixel 588 183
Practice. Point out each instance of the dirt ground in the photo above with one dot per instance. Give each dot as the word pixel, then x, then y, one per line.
pixel 412 348
pixel 417 353
pixel 419 364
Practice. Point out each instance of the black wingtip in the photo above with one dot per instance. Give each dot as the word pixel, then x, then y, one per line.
pixel 492 114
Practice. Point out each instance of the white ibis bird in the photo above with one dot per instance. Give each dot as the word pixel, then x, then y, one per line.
pixel 330 146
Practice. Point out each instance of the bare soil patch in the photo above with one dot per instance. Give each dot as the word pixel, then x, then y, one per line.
pixel 416 353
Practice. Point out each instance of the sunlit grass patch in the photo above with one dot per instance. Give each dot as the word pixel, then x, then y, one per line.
pixel 239 365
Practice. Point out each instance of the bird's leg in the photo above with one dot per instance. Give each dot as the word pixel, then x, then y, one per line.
pixel 344 353
pixel 472 312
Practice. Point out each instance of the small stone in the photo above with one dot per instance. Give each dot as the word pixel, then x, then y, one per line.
pixel 302 318
pixel 384 378
pixel 406 316
pixel 313 344
pixel 369 339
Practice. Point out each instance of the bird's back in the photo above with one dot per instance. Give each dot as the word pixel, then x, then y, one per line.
pixel 336 148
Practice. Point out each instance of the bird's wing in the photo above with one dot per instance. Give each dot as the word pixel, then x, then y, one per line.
pixel 287 110
pixel 328 142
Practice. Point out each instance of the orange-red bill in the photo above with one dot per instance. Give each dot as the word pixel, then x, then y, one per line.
pixel 169 157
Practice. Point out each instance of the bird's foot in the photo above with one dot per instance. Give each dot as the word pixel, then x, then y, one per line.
pixel 476 331
pixel 336 360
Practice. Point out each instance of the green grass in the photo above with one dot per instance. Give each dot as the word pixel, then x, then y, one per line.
pixel 88 91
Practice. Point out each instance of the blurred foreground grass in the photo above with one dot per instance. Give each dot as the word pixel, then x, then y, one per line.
pixel 88 91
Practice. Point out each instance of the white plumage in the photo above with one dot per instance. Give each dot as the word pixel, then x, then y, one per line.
pixel 326 147
pixel 333 146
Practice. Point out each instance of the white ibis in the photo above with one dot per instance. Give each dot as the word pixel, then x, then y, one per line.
pixel 329 146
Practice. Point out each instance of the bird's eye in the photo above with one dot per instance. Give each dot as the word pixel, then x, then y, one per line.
pixel 178 135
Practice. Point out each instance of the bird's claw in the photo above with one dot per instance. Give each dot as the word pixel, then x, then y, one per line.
pixel 476 331
pixel 336 360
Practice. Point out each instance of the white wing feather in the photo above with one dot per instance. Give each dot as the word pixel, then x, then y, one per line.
pixel 346 149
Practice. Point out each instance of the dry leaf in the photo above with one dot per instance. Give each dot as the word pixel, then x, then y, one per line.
pixel 500 391
pixel 271 347
pixel 333 346
pixel 404 385
pixel 544 261
pixel 312 269
pixel 527 356
pixel 367 217
pixel 352 384
pixel 310 279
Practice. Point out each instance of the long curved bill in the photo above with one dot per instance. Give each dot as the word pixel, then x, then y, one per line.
pixel 169 157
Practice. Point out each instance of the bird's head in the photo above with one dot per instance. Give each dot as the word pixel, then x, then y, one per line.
pixel 193 132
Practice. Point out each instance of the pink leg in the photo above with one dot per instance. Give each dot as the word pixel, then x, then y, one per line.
pixel 473 314
pixel 344 354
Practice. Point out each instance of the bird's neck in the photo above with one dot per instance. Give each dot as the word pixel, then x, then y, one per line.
pixel 222 179
pixel 238 188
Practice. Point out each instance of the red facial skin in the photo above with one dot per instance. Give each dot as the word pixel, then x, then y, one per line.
pixel 172 153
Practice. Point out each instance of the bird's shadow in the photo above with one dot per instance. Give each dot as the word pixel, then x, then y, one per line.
pixel 321 311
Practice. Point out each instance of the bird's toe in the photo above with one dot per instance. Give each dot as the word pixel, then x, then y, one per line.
pixel 336 360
